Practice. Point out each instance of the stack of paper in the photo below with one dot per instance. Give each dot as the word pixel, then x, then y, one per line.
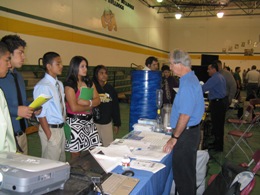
pixel 149 155
pixel 147 165
pixel 108 163
pixel 159 139
pixel 113 151
pixel 131 144
pixel 143 127
pixel 145 149
pixel 147 121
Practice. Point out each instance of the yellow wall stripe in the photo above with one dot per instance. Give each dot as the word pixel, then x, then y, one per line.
pixel 18 26
pixel 229 57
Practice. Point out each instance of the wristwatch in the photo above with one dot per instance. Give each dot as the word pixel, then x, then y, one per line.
pixel 173 136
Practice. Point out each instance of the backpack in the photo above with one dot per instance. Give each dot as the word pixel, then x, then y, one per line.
pixel 230 181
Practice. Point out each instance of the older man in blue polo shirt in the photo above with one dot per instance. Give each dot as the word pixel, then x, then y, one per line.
pixel 216 85
pixel 187 111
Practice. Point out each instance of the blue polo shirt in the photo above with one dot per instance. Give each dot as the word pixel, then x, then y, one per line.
pixel 189 100
pixel 216 85
pixel 7 84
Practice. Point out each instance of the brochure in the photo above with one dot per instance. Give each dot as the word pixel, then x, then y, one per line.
pixel 38 102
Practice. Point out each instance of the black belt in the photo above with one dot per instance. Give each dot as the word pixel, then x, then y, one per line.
pixel 217 99
pixel 80 116
pixel 19 133
pixel 56 126
pixel 191 127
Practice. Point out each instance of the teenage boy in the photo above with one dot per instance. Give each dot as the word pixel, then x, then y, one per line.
pixel 7 141
pixel 151 63
pixel 14 89
pixel 52 117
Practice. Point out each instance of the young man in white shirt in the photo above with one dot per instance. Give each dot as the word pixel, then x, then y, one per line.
pixel 52 117
pixel 7 141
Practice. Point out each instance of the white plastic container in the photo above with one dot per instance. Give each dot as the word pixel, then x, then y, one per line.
pixel 126 162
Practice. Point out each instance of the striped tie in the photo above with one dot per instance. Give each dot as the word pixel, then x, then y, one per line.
pixel 61 102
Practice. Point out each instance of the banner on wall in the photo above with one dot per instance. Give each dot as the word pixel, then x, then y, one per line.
pixel 108 20
pixel 121 4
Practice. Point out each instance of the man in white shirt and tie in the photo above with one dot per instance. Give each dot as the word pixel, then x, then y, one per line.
pixel 52 117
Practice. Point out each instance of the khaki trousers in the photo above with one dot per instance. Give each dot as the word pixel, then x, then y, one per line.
pixel 105 133
pixel 22 141
pixel 54 148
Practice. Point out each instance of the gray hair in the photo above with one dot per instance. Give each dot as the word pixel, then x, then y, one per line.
pixel 180 56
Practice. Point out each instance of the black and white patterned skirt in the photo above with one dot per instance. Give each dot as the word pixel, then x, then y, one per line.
pixel 84 134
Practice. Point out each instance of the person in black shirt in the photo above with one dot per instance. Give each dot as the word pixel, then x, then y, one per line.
pixel 109 107
pixel 168 83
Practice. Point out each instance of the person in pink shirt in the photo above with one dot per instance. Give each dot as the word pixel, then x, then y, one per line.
pixel 84 134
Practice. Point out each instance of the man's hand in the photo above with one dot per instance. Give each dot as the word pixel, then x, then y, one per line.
pixel 181 125
pixel 25 111
pixel 169 145
pixel 45 127
pixel 48 134
pixel 37 111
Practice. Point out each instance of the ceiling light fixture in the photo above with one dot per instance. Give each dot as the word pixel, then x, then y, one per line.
pixel 178 16
pixel 220 14
pixel 159 1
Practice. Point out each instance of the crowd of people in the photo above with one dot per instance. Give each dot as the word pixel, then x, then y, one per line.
pixel 89 129
pixel 13 86
pixel 65 108
pixel 253 83
pixel 188 107
pixel 250 81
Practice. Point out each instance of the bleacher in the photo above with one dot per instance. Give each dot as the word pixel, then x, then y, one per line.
pixel 119 77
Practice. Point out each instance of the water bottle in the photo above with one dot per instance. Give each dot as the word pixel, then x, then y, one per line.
pixel 159 98
pixel 159 125
pixel 126 162
pixel 166 118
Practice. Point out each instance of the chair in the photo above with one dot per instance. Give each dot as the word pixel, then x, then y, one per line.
pixel 239 136
pixel 256 168
pixel 248 186
pixel 238 123
pixel 233 106
pixel 256 104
